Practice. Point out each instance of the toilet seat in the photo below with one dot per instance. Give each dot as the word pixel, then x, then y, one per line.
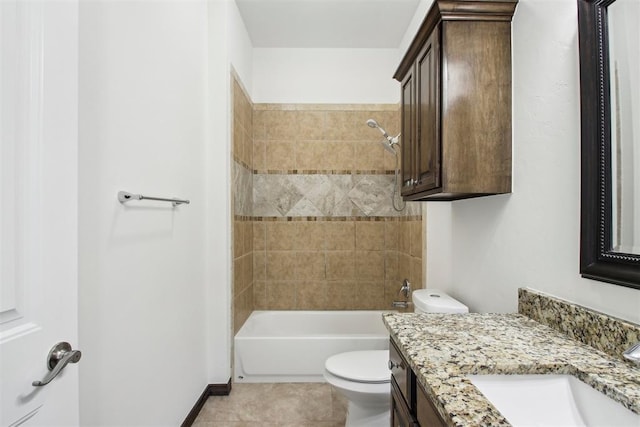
pixel 383 388
pixel 366 367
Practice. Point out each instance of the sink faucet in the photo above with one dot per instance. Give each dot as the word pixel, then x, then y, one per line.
pixel 633 353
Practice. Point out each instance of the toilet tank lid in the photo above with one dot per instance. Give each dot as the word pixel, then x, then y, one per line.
pixel 437 301
pixel 368 366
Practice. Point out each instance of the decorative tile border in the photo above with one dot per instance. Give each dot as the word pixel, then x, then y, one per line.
pixel 325 195
pixel 323 172
pixel 329 219
pixel 326 107
pixel 603 332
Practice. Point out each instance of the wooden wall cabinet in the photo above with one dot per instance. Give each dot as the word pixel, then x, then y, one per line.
pixel 410 405
pixel 456 102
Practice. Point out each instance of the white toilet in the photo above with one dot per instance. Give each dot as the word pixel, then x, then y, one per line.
pixel 363 377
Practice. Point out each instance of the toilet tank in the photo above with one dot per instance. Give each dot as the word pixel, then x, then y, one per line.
pixel 436 301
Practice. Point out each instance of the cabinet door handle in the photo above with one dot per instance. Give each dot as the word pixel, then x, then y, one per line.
pixel 393 364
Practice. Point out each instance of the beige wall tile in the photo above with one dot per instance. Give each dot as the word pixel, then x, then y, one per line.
pixel 391 235
pixel 391 266
pixel 280 125
pixel 280 155
pixel 370 235
pixel 311 155
pixel 339 155
pixel 247 270
pixel 259 154
pixel 259 236
pixel 389 162
pixel 390 121
pixel 415 228
pixel 248 236
pixel 341 235
pixel 368 155
pixel 237 277
pixel 310 265
pixel 259 125
pixel 280 295
pixel 311 295
pixel 281 235
pixel 242 308
pixel 404 266
pixel 311 125
pixel 247 148
pixel 370 295
pixel 260 295
pixel 341 265
pixel 416 272
pixel 341 295
pixel 311 235
pixel 281 265
pixel 338 125
pixel 259 266
pixel 370 265
pixel 238 146
pixel 404 241
pixel 238 238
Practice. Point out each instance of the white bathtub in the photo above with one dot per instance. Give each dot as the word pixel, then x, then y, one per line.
pixel 292 346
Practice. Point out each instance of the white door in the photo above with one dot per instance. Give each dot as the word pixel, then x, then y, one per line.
pixel 38 208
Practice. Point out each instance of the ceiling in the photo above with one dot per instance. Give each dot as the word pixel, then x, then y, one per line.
pixel 327 23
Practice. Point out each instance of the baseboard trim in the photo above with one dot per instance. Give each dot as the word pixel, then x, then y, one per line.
pixel 209 390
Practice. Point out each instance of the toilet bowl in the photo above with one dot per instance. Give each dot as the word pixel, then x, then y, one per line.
pixel 363 377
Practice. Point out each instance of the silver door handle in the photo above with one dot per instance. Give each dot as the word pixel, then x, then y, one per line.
pixel 59 356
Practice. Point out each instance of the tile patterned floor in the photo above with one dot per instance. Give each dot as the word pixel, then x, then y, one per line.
pixel 275 405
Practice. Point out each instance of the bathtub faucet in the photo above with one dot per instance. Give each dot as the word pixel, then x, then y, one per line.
pixel 405 290
pixel 400 304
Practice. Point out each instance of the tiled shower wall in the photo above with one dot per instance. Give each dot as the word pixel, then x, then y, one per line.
pixel 314 224
pixel 241 194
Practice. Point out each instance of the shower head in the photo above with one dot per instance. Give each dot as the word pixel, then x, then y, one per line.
pixel 373 124
pixel 390 141
pixel 388 146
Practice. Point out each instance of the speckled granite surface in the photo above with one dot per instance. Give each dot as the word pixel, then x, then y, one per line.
pixel 443 348
pixel 606 333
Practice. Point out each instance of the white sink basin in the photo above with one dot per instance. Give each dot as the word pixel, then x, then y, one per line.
pixel 552 400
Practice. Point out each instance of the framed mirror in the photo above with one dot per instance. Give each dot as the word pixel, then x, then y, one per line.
pixel 609 42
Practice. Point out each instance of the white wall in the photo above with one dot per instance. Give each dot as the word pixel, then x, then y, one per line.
pixel 317 76
pixel 530 237
pixel 240 47
pixel 229 47
pixel 142 102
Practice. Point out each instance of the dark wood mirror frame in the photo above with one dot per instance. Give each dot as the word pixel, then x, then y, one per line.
pixel 597 259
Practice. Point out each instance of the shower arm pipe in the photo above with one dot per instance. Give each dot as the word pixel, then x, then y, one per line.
pixel 124 196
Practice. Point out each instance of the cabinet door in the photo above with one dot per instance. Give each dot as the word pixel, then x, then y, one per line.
pixel 400 412
pixel 426 412
pixel 428 142
pixel 408 134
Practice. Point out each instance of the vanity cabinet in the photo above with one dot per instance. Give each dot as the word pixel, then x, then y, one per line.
pixel 410 405
pixel 456 102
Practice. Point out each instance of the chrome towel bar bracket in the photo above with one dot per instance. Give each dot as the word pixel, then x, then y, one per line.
pixel 124 197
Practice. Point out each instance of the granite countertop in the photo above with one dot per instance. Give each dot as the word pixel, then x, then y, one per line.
pixel 443 348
